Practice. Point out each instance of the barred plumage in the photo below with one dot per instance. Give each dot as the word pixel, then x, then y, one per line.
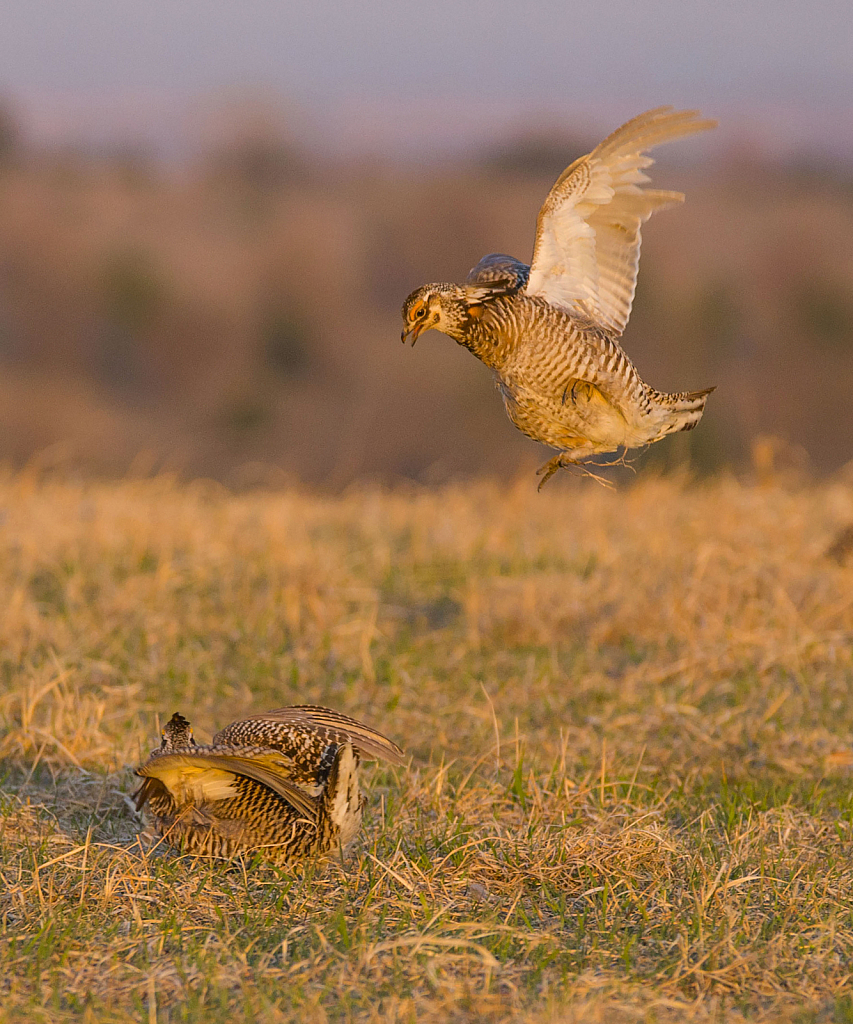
pixel 549 330
pixel 283 784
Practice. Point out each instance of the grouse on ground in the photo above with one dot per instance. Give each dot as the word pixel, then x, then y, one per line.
pixel 283 784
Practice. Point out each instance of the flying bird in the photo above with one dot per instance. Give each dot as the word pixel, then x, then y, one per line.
pixel 283 784
pixel 550 331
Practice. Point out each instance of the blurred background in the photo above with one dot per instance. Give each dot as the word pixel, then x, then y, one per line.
pixel 210 214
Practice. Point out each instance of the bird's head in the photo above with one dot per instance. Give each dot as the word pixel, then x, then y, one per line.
pixel 177 734
pixel 443 307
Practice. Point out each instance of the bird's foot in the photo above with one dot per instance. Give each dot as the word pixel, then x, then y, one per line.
pixel 623 460
pixel 598 479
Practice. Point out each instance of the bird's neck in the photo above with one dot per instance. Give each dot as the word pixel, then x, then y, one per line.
pixel 482 337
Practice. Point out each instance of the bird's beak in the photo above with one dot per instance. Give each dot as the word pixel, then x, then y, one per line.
pixel 414 330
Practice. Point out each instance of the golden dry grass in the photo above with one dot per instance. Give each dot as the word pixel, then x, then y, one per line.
pixel 628 714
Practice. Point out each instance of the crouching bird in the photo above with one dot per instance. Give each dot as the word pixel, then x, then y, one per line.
pixel 283 784
pixel 550 330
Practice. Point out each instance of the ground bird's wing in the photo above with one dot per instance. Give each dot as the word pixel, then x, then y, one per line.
pixel 142 795
pixel 499 273
pixel 588 230
pixel 308 719
pixel 207 775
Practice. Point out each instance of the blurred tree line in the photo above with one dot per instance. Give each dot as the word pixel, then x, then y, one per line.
pixel 242 310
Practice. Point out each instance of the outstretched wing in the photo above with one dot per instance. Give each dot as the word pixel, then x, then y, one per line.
pixel 588 230
pixel 331 726
pixel 207 776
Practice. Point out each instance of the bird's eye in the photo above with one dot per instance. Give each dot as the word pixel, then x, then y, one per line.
pixel 420 312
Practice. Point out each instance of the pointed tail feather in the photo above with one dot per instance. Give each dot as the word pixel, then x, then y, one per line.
pixel 684 408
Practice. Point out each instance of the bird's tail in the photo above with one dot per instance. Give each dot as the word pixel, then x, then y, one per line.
pixel 341 797
pixel 682 410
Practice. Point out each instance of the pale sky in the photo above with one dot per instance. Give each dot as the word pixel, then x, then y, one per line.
pixel 747 55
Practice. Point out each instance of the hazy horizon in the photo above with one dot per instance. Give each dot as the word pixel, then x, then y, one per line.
pixel 427 75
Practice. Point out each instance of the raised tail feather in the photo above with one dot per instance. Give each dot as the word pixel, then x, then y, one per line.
pixel 685 408
pixel 342 797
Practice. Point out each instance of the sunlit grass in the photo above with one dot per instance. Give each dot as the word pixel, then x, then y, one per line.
pixel 628 714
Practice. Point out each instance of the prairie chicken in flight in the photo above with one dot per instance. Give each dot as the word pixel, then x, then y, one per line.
pixel 283 784
pixel 550 330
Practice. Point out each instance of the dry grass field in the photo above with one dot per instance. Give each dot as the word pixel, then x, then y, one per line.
pixel 629 721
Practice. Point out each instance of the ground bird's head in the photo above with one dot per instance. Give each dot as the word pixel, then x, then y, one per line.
pixel 443 307
pixel 177 734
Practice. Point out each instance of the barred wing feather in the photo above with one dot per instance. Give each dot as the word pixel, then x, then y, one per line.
pixel 311 718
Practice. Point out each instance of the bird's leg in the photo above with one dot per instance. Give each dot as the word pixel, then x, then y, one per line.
pixel 563 461
pixel 549 469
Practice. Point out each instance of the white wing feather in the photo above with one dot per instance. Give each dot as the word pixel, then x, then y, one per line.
pixel 588 231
